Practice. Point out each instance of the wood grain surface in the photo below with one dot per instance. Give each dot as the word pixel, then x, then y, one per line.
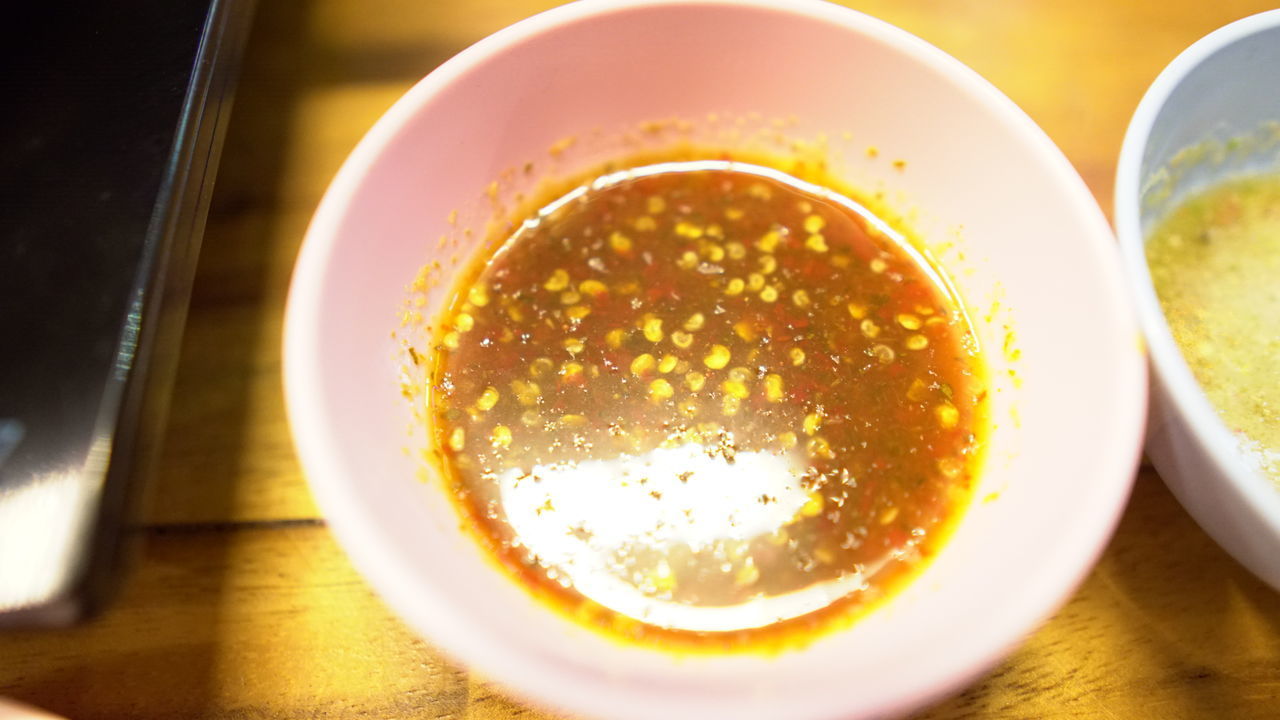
pixel 241 605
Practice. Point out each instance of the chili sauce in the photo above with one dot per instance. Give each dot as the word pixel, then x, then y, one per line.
pixel 707 403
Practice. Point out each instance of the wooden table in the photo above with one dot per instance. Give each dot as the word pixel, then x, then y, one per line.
pixel 242 606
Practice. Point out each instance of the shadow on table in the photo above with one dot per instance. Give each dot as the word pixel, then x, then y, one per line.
pixel 1151 630
pixel 151 655
pixel 1194 608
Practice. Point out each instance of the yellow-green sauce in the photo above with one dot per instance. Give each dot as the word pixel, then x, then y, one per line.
pixel 1215 263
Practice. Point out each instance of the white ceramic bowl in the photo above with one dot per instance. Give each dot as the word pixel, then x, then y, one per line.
pixel 1225 86
pixel 1038 262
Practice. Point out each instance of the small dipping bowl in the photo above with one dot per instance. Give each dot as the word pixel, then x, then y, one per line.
pixel 1012 223
pixel 1220 97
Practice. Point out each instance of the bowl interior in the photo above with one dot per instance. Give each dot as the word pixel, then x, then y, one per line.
pixel 1032 257
pixel 1221 120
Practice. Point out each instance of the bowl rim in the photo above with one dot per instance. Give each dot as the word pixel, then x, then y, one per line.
pixel 1043 593
pixel 1170 367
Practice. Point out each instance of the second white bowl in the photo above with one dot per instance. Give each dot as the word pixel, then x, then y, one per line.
pixel 1223 87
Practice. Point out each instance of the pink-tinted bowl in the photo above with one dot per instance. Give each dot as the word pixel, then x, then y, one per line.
pixel 1031 253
